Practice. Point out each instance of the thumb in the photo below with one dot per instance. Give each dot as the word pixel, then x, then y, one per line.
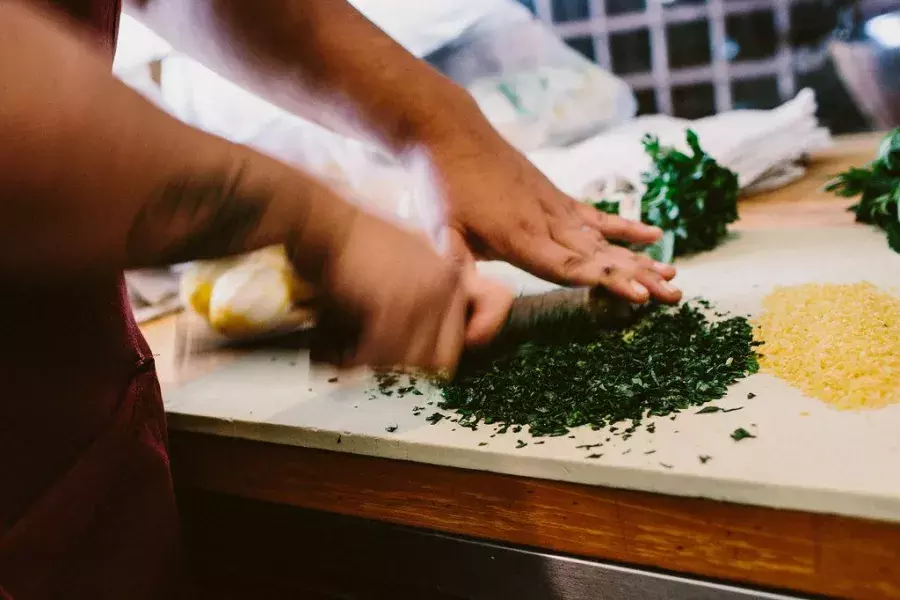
pixel 489 305
pixel 489 301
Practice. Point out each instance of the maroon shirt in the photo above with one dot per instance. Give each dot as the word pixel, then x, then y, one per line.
pixel 86 502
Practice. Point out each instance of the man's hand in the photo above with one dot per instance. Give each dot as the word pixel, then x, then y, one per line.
pixel 394 302
pixel 323 60
pixel 501 206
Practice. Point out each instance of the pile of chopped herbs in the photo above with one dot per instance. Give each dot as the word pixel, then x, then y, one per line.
pixel 690 195
pixel 583 374
pixel 878 186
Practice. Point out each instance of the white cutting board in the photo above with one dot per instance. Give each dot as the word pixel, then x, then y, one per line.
pixel 807 455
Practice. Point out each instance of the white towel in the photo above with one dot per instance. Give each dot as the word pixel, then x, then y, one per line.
pixel 762 146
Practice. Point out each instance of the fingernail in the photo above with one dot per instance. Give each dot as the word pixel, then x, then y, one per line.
pixel 639 289
pixel 669 287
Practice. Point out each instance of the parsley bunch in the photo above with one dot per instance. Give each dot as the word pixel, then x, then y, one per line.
pixel 878 186
pixel 691 195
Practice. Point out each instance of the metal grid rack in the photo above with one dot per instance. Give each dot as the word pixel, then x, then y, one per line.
pixel 580 21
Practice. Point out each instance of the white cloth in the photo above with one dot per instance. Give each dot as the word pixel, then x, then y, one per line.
pixel 756 144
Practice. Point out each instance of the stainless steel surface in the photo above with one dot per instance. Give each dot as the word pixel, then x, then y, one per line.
pixel 357 558
pixel 867 57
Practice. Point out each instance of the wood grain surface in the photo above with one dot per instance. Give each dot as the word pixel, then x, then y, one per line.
pixel 812 553
pixel 816 554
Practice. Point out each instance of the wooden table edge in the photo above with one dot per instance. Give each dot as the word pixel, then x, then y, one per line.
pixel 765 547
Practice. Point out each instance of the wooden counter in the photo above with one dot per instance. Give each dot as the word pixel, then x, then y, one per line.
pixel 774 549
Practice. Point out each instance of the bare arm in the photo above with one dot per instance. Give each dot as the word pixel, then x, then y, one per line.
pixel 323 60
pixel 92 176
pixel 320 59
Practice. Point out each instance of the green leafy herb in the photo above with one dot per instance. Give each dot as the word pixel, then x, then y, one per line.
pixel 482 443
pixel 691 195
pixel 878 186
pixel 583 374
pixel 611 208
pixel 708 409
pixel 704 458
pixel 728 410
pixel 391 428
pixel 435 418
pixel 520 444
pixel 740 433
pixel 751 396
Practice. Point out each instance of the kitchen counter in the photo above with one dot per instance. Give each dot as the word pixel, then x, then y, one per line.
pixel 241 435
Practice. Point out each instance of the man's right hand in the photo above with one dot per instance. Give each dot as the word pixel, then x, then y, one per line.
pixel 398 303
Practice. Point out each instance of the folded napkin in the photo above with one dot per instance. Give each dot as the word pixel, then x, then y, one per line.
pixel 764 147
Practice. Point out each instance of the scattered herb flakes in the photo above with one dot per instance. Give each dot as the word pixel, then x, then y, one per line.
pixel 391 428
pixel 740 433
pixel 588 446
pixel 728 410
pixel 626 452
pixel 594 456
pixel 435 418
pixel 751 396
pixel 708 410
pixel 650 452
pixel 580 373
pixel 704 458
pixel 482 443
pixel 539 442
pixel 520 444
pixel 667 466
pixel 651 428
pixel 333 380
pixel 517 429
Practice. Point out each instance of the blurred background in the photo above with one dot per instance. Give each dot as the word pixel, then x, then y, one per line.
pixel 693 58
pixel 575 84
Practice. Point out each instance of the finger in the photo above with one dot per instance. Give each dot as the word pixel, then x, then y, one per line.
pixel 615 227
pixel 583 240
pixel 658 287
pixel 449 343
pixel 489 306
pixel 620 280
pixel 667 272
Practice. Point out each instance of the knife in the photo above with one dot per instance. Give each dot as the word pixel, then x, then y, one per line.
pixel 329 339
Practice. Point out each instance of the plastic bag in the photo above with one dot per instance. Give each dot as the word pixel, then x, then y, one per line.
pixel 534 88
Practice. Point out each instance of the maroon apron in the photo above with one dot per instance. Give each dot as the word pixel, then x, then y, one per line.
pixel 86 502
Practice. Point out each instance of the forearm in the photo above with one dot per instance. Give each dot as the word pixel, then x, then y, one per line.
pixel 93 177
pixel 320 59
